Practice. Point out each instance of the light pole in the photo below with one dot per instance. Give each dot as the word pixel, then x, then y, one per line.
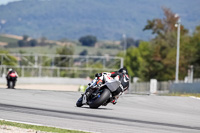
pixel 124 37
pixel 178 25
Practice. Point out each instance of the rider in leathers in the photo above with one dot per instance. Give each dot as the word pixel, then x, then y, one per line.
pixel 11 74
pixel 122 76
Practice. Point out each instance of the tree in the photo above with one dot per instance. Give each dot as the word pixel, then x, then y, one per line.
pixel 21 43
pixel 43 41
pixel 129 42
pixel 133 61
pixel 164 26
pixel 157 58
pixel 24 42
pixel 7 59
pixel 64 61
pixel 192 50
pixel 84 52
pixel 25 37
pixel 164 45
pixel 88 40
pixel 33 42
pixel 139 62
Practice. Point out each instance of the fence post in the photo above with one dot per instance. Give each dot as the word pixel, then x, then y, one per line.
pixel 22 71
pixel 104 63
pixel 58 72
pixel 2 59
pixel 36 60
pixel 87 61
pixel 40 71
pixel 130 88
pixel 153 86
pixel 4 72
pixel 122 63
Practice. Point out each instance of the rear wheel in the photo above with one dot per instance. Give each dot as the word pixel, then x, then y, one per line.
pixel 101 99
pixel 10 84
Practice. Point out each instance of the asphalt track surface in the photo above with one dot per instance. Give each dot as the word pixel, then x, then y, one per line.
pixel 132 113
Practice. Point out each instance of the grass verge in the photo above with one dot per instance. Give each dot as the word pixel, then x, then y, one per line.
pixel 185 94
pixel 38 128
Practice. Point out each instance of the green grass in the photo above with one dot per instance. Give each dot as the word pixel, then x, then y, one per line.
pixel 35 50
pixel 38 128
pixel 94 51
pixel 7 39
pixel 52 50
pixel 184 94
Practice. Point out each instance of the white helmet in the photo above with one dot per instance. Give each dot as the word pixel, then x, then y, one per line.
pixel 10 69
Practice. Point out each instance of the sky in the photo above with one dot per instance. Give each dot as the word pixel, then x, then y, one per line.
pixel 4 2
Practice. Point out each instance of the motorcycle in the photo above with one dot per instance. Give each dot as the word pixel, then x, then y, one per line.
pixel 12 78
pixel 97 95
pixel 11 83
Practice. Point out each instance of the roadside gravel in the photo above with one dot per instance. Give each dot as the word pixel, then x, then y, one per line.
pixel 11 129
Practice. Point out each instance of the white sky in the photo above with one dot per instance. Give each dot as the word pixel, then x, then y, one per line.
pixel 3 2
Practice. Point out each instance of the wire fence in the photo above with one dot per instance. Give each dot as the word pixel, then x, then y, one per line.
pixel 144 87
pixel 29 71
pixel 45 65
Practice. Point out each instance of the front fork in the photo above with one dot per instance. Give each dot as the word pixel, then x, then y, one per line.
pixel 89 91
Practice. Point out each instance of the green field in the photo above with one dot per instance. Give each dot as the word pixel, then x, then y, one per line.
pixel 52 50
pixel 95 51
pixel 35 50
pixel 7 39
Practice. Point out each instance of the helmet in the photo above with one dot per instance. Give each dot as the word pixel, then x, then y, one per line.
pixel 10 69
pixel 123 70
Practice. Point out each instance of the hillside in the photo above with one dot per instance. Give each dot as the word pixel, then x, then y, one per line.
pixel 101 48
pixel 106 19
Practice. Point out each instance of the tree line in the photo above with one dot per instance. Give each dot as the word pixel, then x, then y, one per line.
pixel 157 58
pixel 28 42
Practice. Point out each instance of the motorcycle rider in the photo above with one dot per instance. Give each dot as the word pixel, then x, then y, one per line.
pixel 11 74
pixel 120 75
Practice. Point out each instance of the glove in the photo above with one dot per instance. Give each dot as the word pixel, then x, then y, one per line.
pixel 98 74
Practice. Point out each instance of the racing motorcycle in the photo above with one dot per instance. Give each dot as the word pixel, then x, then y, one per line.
pixel 97 95
pixel 12 78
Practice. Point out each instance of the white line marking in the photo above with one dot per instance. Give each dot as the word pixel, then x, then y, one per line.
pixel 195 97
pixel 46 125
pixel 23 122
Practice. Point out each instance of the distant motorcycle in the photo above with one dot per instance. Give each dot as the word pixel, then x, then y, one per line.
pixel 12 78
pixel 96 96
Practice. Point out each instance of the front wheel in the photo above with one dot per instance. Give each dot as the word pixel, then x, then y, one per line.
pixel 79 102
pixel 102 98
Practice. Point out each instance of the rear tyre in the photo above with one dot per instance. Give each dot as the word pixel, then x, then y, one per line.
pixel 105 95
pixel 79 102
pixel 10 84
pixel 13 84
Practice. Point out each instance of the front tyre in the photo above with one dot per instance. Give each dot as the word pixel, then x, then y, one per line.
pixel 102 98
pixel 79 102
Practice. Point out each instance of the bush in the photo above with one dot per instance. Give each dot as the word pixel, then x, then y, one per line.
pixel 88 40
